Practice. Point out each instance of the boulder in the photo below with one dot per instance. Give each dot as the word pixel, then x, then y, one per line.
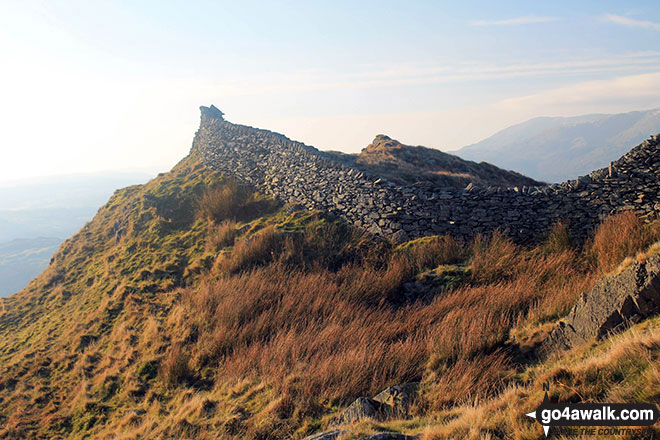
pixel 397 399
pixel 392 402
pixel 362 408
pixel 212 112
pixel 399 237
pixel 613 303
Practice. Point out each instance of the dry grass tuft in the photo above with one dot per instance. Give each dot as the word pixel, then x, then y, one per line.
pixel 494 258
pixel 222 235
pixel 175 369
pixel 231 201
pixel 558 240
pixel 618 237
pixel 252 251
pixel 431 252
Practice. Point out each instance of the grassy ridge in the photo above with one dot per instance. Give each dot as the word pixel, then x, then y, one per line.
pixel 192 307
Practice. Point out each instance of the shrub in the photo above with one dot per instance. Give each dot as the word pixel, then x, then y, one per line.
pixel 493 258
pixel 253 251
pixel 175 369
pixel 222 235
pixel 619 236
pixel 431 252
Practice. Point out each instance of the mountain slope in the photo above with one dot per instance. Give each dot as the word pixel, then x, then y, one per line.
pixel 406 165
pixel 558 149
pixel 194 307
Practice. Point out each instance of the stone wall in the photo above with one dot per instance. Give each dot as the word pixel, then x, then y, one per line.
pixel 296 173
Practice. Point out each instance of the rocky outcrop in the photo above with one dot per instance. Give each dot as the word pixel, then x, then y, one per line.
pixel 612 304
pixel 296 173
pixel 362 408
pixel 408 165
pixel 392 402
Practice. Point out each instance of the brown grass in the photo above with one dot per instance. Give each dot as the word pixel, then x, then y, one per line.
pixel 253 251
pixel 327 333
pixel 231 201
pixel 494 258
pixel 175 369
pixel 618 237
pixel 558 240
pixel 431 252
pixel 222 235
pixel 222 202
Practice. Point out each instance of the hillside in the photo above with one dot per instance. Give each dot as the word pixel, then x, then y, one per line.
pixel 557 149
pixel 406 165
pixel 198 306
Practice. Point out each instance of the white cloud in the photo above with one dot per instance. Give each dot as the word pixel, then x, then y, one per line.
pixel 635 90
pixel 527 19
pixel 631 22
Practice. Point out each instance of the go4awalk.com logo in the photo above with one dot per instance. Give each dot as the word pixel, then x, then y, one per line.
pixel 596 418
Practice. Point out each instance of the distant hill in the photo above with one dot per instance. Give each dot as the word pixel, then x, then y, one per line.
pixel 404 164
pixel 558 149
pixel 22 260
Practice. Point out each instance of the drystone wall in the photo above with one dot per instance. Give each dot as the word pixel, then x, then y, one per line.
pixel 296 173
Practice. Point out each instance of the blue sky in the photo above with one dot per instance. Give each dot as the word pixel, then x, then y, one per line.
pixel 96 85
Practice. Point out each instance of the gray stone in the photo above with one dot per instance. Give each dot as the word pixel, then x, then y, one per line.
pixel 293 172
pixel 612 304
pixel 399 237
pixel 362 408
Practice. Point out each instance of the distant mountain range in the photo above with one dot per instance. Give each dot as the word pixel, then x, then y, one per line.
pixel 554 149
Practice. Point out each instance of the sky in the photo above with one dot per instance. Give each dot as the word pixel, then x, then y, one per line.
pixel 89 85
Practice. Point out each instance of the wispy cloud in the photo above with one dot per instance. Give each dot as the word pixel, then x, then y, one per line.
pixel 432 73
pixel 527 19
pixel 631 22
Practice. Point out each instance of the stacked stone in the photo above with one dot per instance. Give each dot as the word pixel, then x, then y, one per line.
pixel 296 173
